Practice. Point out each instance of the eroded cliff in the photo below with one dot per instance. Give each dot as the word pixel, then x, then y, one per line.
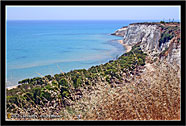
pixel 156 39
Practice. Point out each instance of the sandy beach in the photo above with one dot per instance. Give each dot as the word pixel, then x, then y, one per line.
pixel 127 47
pixel 11 87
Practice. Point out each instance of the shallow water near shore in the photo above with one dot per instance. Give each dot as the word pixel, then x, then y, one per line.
pixel 48 47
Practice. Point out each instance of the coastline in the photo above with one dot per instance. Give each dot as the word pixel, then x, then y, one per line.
pixel 12 87
pixel 127 47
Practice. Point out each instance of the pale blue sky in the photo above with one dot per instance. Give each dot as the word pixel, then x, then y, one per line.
pixel 93 13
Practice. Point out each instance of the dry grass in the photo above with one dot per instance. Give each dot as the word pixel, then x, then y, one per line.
pixel 154 95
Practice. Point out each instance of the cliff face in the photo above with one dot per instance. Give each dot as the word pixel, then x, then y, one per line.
pixel 157 40
pixel 121 31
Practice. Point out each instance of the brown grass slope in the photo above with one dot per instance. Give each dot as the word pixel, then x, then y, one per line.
pixel 154 95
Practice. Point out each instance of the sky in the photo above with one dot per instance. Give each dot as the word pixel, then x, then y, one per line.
pixel 92 12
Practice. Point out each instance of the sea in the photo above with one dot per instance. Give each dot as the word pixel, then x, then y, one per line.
pixel 42 47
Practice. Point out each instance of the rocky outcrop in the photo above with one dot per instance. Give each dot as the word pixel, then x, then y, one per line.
pixel 120 32
pixel 157 40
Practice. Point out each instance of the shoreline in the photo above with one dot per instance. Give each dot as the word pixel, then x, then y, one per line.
pixel 12 87
pixel 127 47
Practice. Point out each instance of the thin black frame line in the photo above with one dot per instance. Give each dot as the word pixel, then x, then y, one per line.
pixel 98 2
pixel 5 58
pixel 6 7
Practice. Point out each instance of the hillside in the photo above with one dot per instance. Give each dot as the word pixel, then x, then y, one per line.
pixel 131 87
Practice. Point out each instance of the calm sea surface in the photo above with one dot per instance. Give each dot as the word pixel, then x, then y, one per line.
pixel 48 46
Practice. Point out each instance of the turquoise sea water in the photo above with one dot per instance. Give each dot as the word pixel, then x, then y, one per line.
pixel 48 46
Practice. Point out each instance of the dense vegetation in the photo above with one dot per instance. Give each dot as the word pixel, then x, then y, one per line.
pixel 168 32
pixel 63 87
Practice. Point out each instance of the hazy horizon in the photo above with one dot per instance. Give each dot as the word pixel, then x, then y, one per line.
pixel 165 13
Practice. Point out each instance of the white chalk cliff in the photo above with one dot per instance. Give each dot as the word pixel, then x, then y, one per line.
pixel 157 40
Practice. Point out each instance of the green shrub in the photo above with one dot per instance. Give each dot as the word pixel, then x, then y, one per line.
pixel 54 83
pixel 65 94
pixel 108 79
pixel 12 99
pixel 49 77
pixel 36 93
pixel 64 82
pixel 162 22
pixel 46 95
pixel 141 62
